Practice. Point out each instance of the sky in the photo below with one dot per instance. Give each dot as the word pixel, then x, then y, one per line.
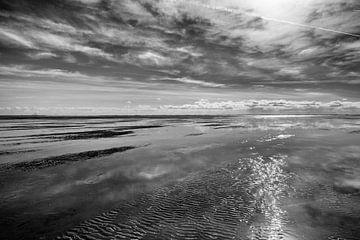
pixel 90 57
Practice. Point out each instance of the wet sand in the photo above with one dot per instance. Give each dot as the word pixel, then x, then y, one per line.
pixel 191 177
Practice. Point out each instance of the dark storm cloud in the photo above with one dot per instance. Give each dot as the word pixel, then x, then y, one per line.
pixel 166 44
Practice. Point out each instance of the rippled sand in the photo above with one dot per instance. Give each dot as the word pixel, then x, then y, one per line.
pixel 220 177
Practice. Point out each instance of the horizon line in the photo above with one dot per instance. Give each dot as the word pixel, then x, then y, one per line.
pixel 169 115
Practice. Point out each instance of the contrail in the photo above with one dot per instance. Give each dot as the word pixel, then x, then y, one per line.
pixel 268 18
pixel 308 26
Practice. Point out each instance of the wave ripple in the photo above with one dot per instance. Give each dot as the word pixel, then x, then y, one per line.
pixel 239 201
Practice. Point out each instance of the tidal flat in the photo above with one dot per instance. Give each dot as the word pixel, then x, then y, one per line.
pixel 180 177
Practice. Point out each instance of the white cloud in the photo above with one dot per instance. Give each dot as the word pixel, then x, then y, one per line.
pixel 13 38
pixel 190 51
pixel 152 58
pixel 283 22
pixel 271 105
pixel 241 43
pixel 196 82
pixel 149 58
pixel 24 71
pixel 48 24
pixel 292 71
pixel 50 74
pixel 41 55
pixel 69 58
pixel 33 38
pixel 200 107
pixel 65 43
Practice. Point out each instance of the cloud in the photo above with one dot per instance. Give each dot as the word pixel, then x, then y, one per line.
pixel 270 105
pixel 147 58
pixel 24 71
pixel 53 41
pixel 200 107
pixel 227 47
pixel 47 41
pixel 75 111
pixel 88 1
pixel 195 82
pixel 153 58
pixel 190 51
pixel 12 38
pixel 41 55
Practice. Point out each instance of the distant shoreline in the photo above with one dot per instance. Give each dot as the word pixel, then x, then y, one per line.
pixel 168 116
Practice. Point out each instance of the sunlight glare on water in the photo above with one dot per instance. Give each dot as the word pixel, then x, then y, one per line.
pixel 266 182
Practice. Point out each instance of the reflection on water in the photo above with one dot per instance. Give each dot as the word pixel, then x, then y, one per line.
pixel 266 182
pixel 221 177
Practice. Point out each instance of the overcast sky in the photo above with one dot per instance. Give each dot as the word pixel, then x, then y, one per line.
pixel 179 56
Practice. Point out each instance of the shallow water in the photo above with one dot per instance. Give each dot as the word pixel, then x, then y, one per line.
pixel 220 177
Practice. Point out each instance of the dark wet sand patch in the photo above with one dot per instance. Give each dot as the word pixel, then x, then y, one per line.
pixel 95 134
pixel 346 189
pixel 75 135
pixel 225 127
pixel 355 132
pixel 32 127
pixel 118 117
pixel 62 159
pixel 103 133
pixel 58 137
pixel 138 127
pixel 16 152
pixel 51 126
pixel 194 134
pixel 32 142
pixel 215 125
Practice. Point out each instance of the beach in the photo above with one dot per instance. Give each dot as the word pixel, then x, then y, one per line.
pixel 171 177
